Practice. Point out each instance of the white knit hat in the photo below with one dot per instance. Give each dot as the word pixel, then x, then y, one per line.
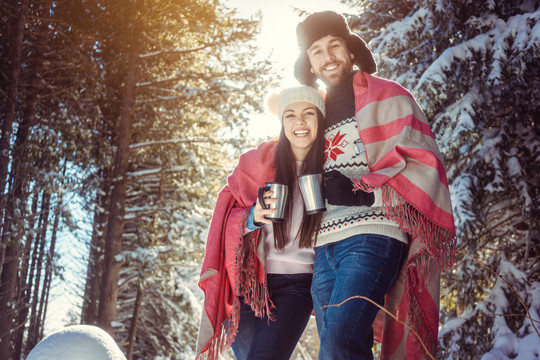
pixel 300 94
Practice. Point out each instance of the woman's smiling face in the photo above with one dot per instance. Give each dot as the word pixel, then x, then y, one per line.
pixel 300 127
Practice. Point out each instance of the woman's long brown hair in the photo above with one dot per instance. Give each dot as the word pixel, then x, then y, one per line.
pixel 286 174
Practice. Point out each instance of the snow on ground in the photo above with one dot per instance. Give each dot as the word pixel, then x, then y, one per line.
pixel 81 342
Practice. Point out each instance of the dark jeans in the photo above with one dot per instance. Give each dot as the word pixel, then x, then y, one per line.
pixel 366 265
pixel 260 338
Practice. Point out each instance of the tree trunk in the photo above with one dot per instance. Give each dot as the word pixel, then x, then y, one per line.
pixel 43 301
pixel 113 239
pixel 10 246
pixel 28 121
pixel 50 262
pixel 7 125
pixel 25 289
pixel 19 193
pixel 94 273
pixel 33 328
pixel 134 321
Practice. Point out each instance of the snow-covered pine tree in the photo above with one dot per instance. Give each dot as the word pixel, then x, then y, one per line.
pixel 48 128
pixel 196 83
pixel 474 68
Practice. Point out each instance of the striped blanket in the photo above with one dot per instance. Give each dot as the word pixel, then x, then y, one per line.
pixel 405 162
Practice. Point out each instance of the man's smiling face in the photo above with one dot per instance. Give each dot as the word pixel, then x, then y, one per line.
pixel 330 59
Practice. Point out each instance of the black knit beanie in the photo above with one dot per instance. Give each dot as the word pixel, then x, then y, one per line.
pixel 321 24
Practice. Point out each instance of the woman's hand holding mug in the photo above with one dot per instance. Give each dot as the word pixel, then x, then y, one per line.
pixel 259 211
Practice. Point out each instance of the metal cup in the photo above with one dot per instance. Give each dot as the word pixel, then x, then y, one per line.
pixel 281 192
pixel 311 187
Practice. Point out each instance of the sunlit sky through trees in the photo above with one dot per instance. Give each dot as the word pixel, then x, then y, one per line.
pixel 277 41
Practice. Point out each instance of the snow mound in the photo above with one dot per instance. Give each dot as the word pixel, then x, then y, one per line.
pixel 81 342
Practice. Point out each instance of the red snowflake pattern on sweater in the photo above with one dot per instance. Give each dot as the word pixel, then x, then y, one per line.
pixel 332 145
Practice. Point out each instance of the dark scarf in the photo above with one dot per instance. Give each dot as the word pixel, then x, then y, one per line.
pixel 340 102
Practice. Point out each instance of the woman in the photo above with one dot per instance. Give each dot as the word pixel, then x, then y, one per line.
pixel 256 274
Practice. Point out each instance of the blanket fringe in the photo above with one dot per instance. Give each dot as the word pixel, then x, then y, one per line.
pixel 417 268
pixel 437 240
pixel 254 292
pixel 221 342
pixel 248 287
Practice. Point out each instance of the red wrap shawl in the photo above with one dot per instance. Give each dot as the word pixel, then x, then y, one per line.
pixel 405 162
pixel 231 267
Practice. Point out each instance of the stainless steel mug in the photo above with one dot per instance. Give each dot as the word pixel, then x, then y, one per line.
pixel 311 187
pixel 281 192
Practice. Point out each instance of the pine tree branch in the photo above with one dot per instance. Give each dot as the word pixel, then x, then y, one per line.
pixel 175 51
pixel 159 99
pixel 159 81
pixel 494 226
pixel 10 10
pixel 5 77
pixel 172 141
pixel 507 284
pixel 510 315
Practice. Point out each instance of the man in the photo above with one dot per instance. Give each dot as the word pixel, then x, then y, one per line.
pixel 389 227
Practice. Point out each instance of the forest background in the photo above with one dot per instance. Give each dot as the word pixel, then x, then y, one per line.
pixel 122 118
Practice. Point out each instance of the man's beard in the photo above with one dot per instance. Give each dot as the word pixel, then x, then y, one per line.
pixel 337 79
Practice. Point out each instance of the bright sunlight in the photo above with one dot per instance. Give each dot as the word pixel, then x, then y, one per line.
pixel 277 41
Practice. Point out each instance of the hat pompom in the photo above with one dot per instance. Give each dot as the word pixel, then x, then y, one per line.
pixel 272 103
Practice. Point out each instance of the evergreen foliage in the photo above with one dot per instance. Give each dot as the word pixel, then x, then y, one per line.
pixel 473 67
pixel 163 88
pixel 195 79
pixel 45 117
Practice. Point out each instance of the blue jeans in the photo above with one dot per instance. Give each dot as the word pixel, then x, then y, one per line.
pixel 366 265
pixel 261 338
